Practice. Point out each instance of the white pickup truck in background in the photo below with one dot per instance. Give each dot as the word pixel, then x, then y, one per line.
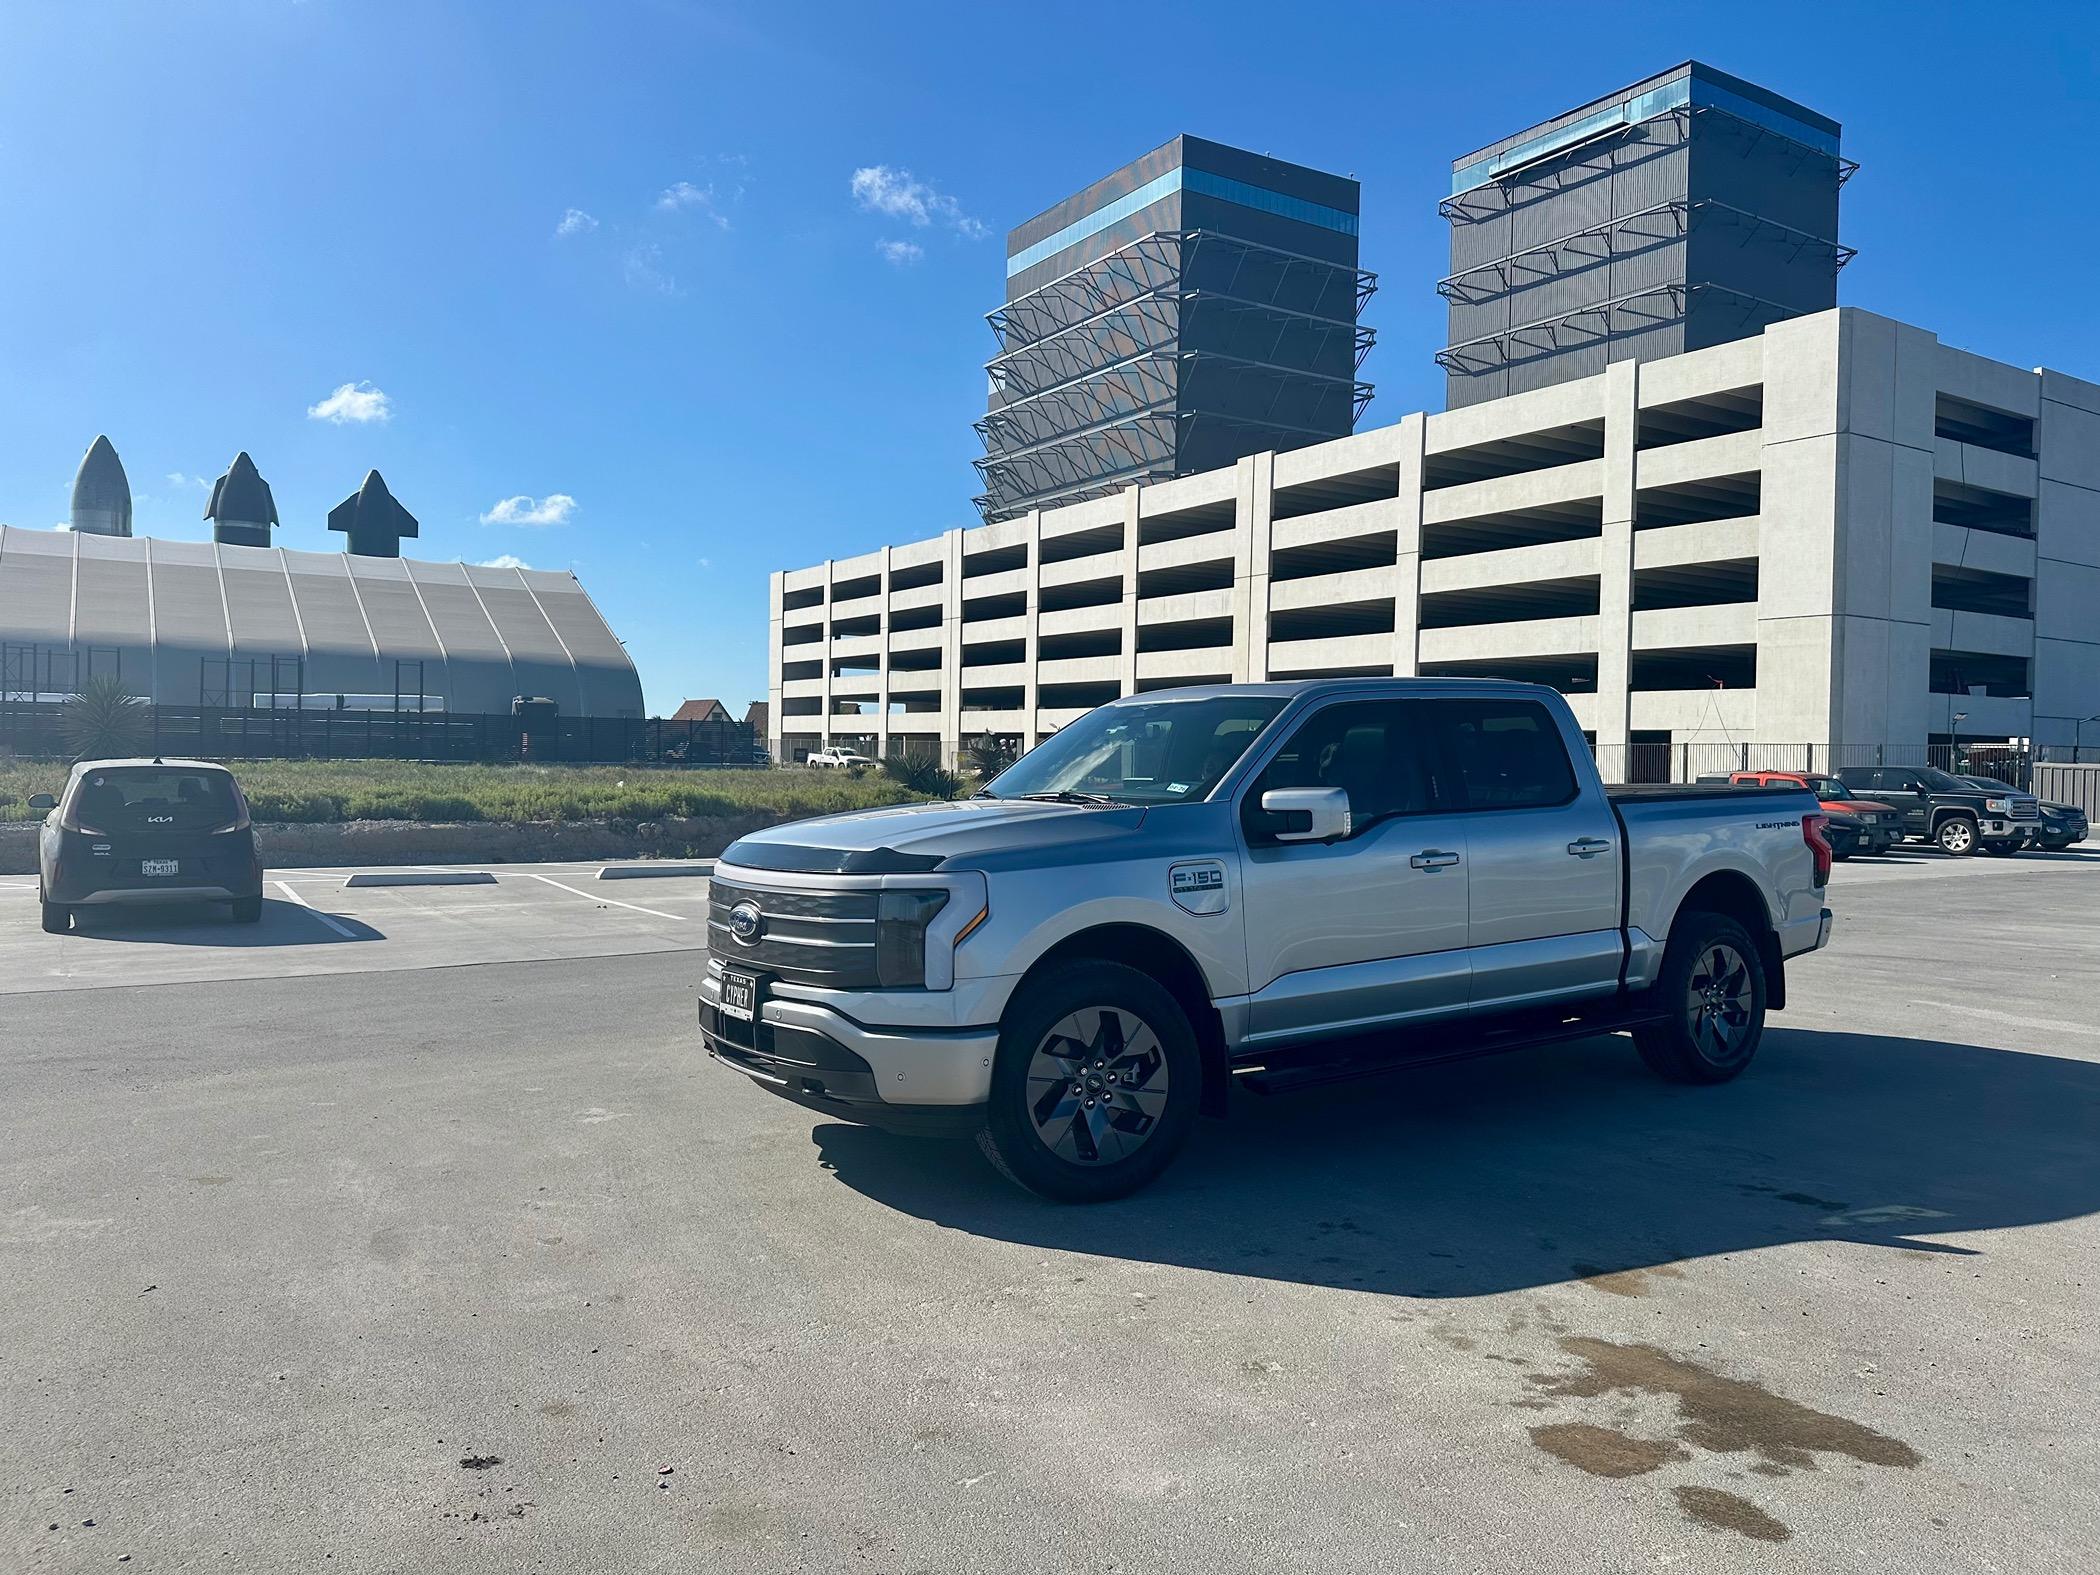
pixel 1270 884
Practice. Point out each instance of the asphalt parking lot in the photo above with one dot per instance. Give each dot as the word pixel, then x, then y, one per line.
pixel 410 1230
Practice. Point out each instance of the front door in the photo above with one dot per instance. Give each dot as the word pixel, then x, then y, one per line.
pixel 1544 849
pixel 1370 928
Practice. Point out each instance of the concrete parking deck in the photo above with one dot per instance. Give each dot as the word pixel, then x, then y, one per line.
pixel 331 1252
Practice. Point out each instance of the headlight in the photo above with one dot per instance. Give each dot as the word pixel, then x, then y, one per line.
pixel 901 918
pixel 1998 806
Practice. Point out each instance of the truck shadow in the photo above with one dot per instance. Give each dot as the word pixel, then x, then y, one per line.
pixel 1564 1163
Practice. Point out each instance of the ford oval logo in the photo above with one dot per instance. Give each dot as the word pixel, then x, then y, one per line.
pixel 745 922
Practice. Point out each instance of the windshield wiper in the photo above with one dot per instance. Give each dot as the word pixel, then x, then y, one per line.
pixel 1067 796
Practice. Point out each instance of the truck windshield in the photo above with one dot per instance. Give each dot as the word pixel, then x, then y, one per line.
pixel 1141 752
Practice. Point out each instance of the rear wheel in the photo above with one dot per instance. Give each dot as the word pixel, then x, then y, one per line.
pixel 246 910
pixel 1956 835
pixel 1712 994
pixel 58 918
pixel 1095 1085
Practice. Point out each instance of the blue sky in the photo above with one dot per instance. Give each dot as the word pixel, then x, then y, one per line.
pixel 220 214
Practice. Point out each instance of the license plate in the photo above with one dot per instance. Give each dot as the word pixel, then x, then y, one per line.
pixel 739 995
pixel 160 866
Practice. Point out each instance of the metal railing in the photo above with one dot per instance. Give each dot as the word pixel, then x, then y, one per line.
pixel 1688 762
pixel 37 732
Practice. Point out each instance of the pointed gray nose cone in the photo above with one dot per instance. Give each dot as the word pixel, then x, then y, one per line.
pixel 372 520
pixel 101 493
pixel 241 508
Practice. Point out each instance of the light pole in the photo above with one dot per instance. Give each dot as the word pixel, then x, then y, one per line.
pixel 2078 735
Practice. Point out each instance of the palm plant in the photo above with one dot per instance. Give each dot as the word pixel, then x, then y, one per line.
pixel 923 774
pixel 989 755
pixel 103 720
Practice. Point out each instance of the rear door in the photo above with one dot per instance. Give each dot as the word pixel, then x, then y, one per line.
pixel 1370 928
pixel 1901 788
pixel 1544 849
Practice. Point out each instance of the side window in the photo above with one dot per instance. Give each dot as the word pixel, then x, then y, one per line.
pixel 1503 754
pixel 1369 748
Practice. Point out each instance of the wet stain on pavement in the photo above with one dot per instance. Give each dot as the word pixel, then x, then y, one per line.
pixel 1603 1451
pixel 1624 1282
pixel 559 1410
pixel 480 1462
pixel 1725 1415
pixel 1726 1512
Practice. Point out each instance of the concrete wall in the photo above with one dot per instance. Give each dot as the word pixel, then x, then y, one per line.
pixel 1762 541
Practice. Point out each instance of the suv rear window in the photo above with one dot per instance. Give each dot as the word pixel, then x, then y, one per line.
pixel 148 798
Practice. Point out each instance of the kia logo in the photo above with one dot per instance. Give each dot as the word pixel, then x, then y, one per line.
pixel 160 820
pixel 744 922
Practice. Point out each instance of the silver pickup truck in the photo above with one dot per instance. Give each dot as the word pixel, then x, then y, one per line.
pixel 1269 884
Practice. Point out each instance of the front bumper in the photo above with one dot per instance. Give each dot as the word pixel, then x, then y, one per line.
pixel 147 896
pixel 905 1078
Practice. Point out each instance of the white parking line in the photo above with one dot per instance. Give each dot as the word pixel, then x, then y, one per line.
pixel 591 896
pixel 346 933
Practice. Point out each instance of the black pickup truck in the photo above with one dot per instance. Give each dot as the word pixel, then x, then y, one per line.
pixel 1941 808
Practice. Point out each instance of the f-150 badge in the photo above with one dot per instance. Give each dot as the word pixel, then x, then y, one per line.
pixel 1199 887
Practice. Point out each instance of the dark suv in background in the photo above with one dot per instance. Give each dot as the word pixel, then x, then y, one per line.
pixel 2061 824
pixel 146 831
pixel 1951 811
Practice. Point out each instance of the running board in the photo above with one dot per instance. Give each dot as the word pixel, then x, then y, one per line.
pixel 1400 1050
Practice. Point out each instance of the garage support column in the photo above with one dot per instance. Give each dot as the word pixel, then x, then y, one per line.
pixel 824 722
pixel 882 676
pixel 1034 578
pixel 1255 487
pixel 776 724
pixel 951 647
pixel 1622 420
pixel 1127 567
pixel 1407 548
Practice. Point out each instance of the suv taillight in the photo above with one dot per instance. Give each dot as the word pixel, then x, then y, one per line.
pixel 1815 831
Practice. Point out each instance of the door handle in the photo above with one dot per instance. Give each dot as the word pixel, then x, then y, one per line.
pixel 1588 847
pixel 1433 859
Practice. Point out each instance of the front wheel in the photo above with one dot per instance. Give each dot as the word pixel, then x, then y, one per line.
pixel 1712 995
pixel 1095 1085
pixel 1956 836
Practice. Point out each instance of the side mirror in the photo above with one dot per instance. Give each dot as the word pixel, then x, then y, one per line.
pixel 1308 814
pixel 42 801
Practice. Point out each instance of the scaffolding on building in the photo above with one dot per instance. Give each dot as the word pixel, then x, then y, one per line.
pixel 1546 265
pixel 1113 373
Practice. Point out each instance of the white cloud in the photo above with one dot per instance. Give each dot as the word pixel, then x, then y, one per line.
pixel 177 479
pixel 707 563
pixel 504 560
pixel 683 195
pixel 899 194
pixel 902 253
pixel 554 509
pixel 353 402
pixel 575 222
pixel 643 267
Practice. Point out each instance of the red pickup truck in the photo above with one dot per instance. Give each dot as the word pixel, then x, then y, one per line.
pixel 1881 825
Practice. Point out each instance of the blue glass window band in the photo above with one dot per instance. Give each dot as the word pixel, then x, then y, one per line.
pixel 1204 184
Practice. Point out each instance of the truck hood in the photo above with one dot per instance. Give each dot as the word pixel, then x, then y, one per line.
pixel 912 838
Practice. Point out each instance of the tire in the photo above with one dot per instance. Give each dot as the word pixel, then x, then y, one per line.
pixel 2001 850
pixel 246 910
pixel 58 918
pixel 1712 989
pixel 1043 1128
pixel 1956 836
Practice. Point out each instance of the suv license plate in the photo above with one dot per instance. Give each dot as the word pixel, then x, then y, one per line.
pixel 739 995
pixel 160 866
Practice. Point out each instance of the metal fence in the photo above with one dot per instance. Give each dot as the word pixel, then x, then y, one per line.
pixel 35 731
pixel 1688 762
pixel 2061 782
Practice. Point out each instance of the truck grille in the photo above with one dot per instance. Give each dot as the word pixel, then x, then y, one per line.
pixel 805 937
pixel 2026 809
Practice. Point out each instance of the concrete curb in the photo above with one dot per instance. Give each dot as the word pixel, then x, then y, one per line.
pixel 425 878
pixel 654 871
pixel 325 844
